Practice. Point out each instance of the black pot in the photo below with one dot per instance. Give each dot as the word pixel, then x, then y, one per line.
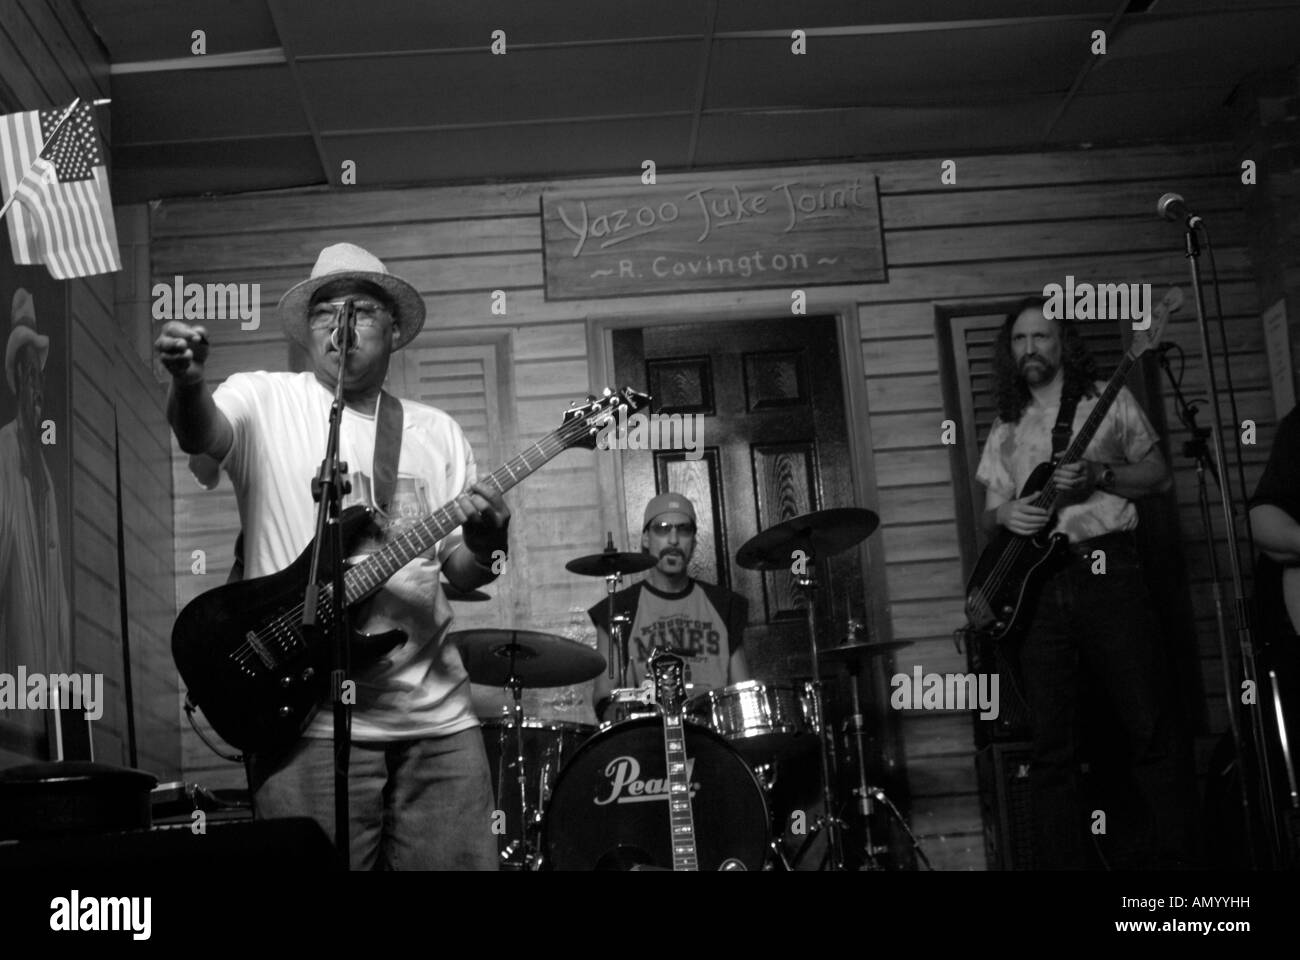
pixel 52 799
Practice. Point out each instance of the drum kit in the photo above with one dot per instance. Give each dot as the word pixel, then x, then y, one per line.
pixel 571 796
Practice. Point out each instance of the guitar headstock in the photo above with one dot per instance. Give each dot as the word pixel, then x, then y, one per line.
pixel 668 671
pixel 600 413
pixel 1144 340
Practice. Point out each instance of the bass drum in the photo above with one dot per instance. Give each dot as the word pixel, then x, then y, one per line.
pixel 609 810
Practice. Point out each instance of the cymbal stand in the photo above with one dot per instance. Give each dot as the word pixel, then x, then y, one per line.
pixel 864 792
pixel 618 630
pixel 527 848
pixel 807 582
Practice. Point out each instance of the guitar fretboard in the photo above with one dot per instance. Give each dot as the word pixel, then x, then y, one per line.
pixel 370 574
pixel 1047 496
pixel 679 793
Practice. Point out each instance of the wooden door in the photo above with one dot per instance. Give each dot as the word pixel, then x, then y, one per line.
pixel 774 447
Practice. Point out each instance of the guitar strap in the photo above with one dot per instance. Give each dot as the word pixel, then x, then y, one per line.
pixel 388 449
pixel 1064 428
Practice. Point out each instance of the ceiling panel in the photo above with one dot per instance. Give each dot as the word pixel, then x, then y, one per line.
pixel 148 30
pixel 394 25
pixel 144 173
pixel 478 87
pixel 754 138
pixel 944 66
pixel 524 151
pixel 739 15
pixel 1166 7
pixel 1173 114
pixel 206 104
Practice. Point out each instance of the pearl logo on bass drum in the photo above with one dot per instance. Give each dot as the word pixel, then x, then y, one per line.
pixel 626 785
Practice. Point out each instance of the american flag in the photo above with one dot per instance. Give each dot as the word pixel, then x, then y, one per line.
pixel 63 217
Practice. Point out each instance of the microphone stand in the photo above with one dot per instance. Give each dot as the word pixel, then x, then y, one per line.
pixel 1245 633
pixel 328 489
pixel 1196 449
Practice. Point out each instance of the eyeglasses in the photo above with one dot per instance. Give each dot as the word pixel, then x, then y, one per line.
pixel 661 528
pixel 324 314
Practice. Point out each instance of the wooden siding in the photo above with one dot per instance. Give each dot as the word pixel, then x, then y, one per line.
pixel 48 55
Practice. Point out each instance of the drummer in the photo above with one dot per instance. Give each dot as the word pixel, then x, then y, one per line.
pixel 701 622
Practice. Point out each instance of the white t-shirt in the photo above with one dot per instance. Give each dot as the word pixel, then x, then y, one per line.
pixel 1013 450
pixel 280 425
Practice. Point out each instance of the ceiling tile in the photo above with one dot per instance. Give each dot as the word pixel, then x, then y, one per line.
pixel 542 150
pixel 866 132
pixel 390 25
pixel 205 104
pixel 144 173
pixel 940 67
pixel 1179 114
pixel 526 85
pixel 135 30
pixel 740 15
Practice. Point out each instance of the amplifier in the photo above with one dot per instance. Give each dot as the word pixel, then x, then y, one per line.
pixel 1003 773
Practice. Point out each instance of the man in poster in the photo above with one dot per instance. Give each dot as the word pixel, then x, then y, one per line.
pixel 34 629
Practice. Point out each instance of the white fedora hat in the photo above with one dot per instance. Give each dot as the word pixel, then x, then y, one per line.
pixel 347 260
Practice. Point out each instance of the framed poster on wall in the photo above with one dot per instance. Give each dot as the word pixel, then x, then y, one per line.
pixel 35 506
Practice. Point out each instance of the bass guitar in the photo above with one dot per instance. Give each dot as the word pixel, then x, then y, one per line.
pixel 1012 565
pixel 241 650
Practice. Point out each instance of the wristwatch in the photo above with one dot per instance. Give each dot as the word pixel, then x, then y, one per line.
pixel 1107 481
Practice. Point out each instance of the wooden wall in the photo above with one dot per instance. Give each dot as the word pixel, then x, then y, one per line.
pixel 1009 225
pixel 48 55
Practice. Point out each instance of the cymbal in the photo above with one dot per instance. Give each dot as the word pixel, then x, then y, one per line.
pixel 850 652
pixel 821 533
pixel 609 562
pixel 456 594
pixel 540 659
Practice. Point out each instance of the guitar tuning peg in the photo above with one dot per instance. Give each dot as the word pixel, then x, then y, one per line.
pixel 607 392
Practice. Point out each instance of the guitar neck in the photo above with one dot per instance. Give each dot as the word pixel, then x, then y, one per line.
pixel 681 820
pixel 370 574
pixel 1081 439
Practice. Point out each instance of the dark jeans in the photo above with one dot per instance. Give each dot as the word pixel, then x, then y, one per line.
pixel 1095 636
pixel 421 804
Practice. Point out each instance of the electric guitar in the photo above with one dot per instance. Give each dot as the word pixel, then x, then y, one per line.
pixel 668 671
pixel 1012 565
pixel 241 650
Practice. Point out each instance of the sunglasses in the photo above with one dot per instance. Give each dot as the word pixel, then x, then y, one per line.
pixel 662 528
pixel 368 314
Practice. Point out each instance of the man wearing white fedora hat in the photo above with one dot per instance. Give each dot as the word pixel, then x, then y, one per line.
pixel 420 794
pixel 34 626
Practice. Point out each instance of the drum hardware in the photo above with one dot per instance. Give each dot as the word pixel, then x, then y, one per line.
pixel 515 659
pixel 548 745
pixel 612 565
pixel 797 545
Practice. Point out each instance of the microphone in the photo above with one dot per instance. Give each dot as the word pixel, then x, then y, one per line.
pixel 345 323
pixel 1173 207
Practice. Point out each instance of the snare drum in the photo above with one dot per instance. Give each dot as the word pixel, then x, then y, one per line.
pixel 760 719
pixel 610 805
